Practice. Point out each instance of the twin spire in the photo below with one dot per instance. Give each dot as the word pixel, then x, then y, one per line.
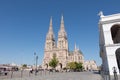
pixel 62 29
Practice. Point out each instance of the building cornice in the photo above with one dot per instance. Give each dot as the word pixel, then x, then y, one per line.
pixel 112 45
pixel 109 21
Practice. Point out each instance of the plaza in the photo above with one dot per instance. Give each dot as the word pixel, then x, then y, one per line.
pixel 54 76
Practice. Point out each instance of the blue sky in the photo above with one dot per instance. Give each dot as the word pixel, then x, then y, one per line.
pixel 24 25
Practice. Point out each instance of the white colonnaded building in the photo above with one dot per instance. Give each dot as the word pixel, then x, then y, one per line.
pixel 109 29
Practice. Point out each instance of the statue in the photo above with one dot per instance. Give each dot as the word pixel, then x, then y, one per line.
pixel 101 14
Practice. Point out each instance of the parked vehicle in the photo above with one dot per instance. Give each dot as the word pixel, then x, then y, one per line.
pixel 3 71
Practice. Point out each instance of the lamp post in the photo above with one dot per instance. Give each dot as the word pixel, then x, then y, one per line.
pixel 36 61
pixel 34 58
pixel 36 65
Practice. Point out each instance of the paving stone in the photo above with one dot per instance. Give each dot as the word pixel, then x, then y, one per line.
pixel 56 76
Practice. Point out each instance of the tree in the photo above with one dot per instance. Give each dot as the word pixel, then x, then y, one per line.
pixel 54 61
pixel 71 65
pixel 24 66
pixel 79 66
pixel 75 66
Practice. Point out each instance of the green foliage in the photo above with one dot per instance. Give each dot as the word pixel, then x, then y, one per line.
pixel 71 65
pixel 79 66
pixel 24 66
pixel 64 68
pixel 54 61
pixel 75 66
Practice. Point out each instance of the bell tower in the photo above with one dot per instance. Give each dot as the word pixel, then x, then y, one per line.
pixel 109 29
pixel 62 44
pixel 62 37
pixel 50 40
pixel 49 46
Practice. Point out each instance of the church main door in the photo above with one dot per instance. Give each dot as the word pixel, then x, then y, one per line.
pixel 60 65
pixel 118 57
pixel 46 66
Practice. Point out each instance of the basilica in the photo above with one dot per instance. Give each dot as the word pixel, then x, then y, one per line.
pixel 60 49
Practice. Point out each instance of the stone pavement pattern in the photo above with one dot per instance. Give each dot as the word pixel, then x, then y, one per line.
pixel 60 76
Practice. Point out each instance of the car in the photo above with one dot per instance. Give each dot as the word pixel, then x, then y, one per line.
pixel 53 70
pixel 3 71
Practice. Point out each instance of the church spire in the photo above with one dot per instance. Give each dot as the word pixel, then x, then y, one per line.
pixel 50 34
pixel 62 32
pixel 75 47
pixel 62 29
pixel 62 36
pixel 50 27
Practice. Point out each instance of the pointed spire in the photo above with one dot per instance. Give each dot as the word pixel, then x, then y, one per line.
pixel 62 29
pixel 62 20
pixel 50 27
pixel 51 20
pixel 50 34
pixel 75 47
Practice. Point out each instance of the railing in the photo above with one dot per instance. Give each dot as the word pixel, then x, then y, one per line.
pixel 105 75
pixel 115 73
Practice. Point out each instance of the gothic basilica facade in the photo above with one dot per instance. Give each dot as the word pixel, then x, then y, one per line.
pixel 60 49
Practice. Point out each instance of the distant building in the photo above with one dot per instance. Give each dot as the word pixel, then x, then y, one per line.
pixel 9 67
pixel 90 65
pixel 60 49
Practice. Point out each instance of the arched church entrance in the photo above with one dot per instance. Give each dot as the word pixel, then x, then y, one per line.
pixel 60 64
pixel 118 58
pixel 115 31
pixel 46 66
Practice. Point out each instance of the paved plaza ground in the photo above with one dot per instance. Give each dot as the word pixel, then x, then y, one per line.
pixel 53 76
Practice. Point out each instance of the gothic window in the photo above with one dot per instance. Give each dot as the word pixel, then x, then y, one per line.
pixel 52 44
pixel 60 65
pixel 49 45
pixel 65 43
pixel 62 44
pixel 75 57
pixel 54 54
pixel 79 57
pixel 46 65
pixel 115 31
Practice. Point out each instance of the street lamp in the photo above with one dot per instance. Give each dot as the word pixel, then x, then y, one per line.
pixel 34 58
pixel 36 65
pixel 36 61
